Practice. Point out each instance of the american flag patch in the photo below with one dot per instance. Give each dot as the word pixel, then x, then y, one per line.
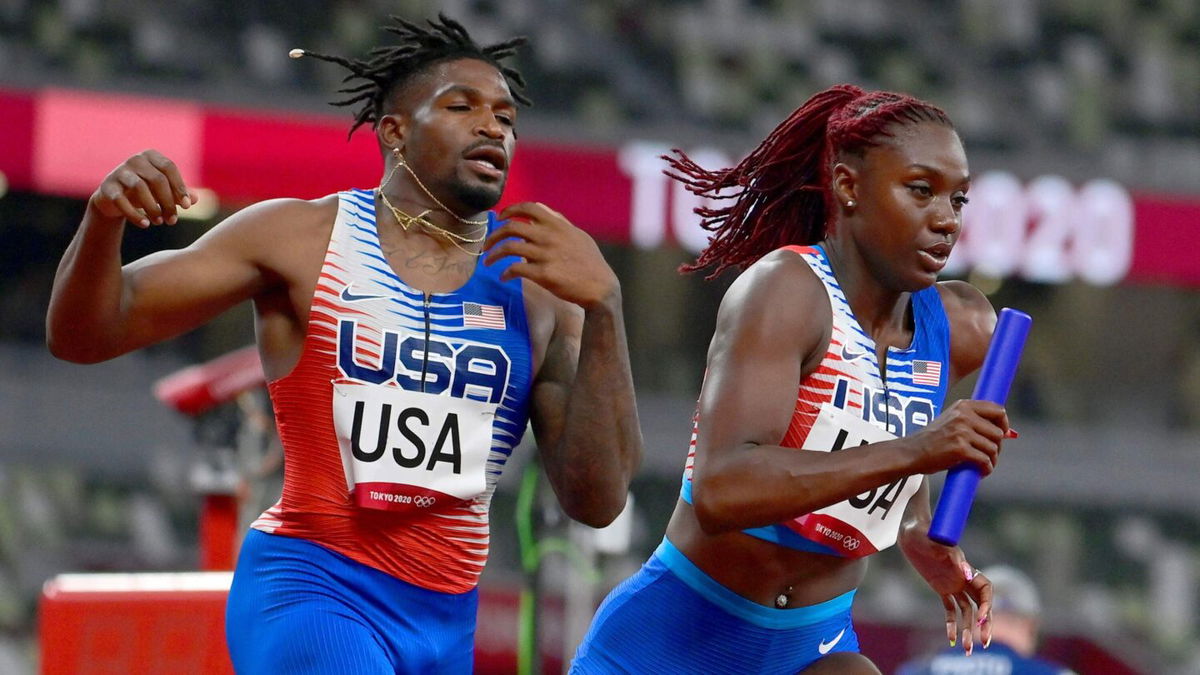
pixel 476 315
pixel 927 372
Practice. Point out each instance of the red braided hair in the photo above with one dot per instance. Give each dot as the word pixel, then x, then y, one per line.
pixel 780 191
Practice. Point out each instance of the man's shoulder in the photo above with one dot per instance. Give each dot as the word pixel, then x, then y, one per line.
pixel 277 225
pixel 282 236
pixel 290 212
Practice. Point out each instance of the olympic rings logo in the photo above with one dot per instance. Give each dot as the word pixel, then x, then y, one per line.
pixel 424 502
pixel 851 543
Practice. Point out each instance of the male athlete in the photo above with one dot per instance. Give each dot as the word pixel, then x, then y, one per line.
pixel 407 337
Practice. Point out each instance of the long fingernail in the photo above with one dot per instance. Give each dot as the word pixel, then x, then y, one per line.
pixel 1012 433
pixel 987 641
pixel 968 571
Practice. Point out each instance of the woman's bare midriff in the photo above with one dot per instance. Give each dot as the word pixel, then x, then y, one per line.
pixel 759 570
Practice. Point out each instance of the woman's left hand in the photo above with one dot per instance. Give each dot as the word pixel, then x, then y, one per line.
pixel 966 594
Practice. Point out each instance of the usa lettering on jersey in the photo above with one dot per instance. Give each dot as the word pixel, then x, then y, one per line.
pixel 415 428
pixel 900 415
pixel 868 522
pixel 435 366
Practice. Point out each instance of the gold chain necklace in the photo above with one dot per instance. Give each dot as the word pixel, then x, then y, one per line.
pixel 429 194
pixel 406 220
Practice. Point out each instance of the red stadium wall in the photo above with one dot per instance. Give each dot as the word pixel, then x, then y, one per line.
pixel 62 142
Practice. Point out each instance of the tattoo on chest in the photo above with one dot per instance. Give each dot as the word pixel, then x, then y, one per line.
pixel 428 262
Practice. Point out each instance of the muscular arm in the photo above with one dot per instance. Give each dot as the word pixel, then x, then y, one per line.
pixel 100 310
pixel 584 413
pixel 772 329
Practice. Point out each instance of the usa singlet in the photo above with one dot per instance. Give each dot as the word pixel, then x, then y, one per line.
pixel 401 413
pixel 849 401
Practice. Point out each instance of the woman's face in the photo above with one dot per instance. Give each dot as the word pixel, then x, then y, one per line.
pixel 910 191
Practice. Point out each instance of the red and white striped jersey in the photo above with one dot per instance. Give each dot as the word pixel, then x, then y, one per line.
pixel 401 413
pixel 850 400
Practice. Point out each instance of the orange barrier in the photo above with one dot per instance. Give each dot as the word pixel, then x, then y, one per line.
pixel 174 622
pixel 134 623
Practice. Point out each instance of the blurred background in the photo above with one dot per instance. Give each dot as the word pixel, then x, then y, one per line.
pixel 1082 124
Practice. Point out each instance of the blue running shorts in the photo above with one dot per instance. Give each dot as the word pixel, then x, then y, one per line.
pixel 671 617
pixel 297 607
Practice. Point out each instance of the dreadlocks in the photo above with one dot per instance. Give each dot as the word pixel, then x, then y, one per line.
pixel 388 68
pixel 780 191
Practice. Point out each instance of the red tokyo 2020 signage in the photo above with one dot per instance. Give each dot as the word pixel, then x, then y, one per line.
pixel 1044 230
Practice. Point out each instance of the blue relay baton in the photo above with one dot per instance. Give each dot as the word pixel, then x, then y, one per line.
pixel 995 379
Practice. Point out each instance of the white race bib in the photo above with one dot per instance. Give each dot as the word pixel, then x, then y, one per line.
pixel 406 450
pixel 868 522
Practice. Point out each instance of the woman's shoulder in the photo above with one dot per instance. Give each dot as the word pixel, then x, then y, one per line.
pixel 972 320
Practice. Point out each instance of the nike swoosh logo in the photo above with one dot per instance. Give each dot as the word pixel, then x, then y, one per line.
pixel 848 355
pixel 824 647
pixel 352 297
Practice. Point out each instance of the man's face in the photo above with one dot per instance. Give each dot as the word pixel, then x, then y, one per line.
pixel 911 190
pixel 461 137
